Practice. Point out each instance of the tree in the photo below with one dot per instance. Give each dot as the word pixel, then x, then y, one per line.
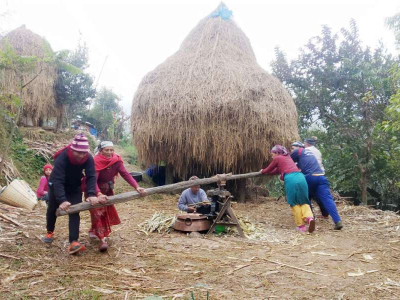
pixel 394 24
pixel 391 125
pixel 74 87
pixel 393 110
pixel 105 113
pixel 342 89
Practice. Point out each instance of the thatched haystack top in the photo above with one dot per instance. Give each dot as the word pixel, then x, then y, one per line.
pixel 26 42
pixel 39 102
pixel 210 107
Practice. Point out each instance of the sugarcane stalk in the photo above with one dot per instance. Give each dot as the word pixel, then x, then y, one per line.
pixel 124 197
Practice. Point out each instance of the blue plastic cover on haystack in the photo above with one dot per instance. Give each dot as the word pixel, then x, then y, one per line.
pixel 223 12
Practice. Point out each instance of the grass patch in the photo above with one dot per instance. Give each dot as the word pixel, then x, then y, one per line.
pixel 130 150
pixel 84 294
pixel 28 163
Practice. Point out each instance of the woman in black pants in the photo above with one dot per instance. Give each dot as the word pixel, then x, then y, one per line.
pixel 65 187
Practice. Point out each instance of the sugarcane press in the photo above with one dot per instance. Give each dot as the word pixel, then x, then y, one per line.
pixel 221 210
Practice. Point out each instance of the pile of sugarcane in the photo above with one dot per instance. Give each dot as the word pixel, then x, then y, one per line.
pixel 159 222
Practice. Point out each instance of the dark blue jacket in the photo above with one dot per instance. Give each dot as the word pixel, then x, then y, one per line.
pixel 306 161
pixel 65 179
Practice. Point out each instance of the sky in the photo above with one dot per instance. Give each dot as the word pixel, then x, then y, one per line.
pixel 130 38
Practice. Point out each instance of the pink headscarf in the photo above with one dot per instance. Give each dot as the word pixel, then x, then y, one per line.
pixel 280 150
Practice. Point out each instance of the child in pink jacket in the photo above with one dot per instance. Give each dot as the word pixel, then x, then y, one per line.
pixel 41 192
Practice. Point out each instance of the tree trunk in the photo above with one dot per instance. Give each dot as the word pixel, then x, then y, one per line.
pixel 68 116
pixel 364 191
pixel 60 118
pixel 169 174
pixel 240 190
pixel 364 176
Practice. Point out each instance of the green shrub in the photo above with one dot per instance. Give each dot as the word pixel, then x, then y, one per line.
pixel 28 163
pixel 130 150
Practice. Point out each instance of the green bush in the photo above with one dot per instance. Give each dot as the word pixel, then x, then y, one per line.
pixel 275 187
pixel 28 163
pixel 130 150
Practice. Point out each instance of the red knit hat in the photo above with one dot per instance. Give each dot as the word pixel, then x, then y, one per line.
pixel 48 166
pixel 80 143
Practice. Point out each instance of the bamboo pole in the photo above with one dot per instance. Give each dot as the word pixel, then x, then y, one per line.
pixel 124 197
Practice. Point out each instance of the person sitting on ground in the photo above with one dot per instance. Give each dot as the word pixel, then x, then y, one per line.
pixel 295 187
pixel 309 143
pixel 65 187
pixel 191 196
pixel 108 165
pixel 41 191
pixel 318 185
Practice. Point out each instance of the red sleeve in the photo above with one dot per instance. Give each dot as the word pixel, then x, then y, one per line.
pixel 42 187
pixel 97 189
pixel 128 177
pixel 275 171
pixel 273 168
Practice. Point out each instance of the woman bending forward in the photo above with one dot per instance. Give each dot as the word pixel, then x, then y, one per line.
pixel 108 165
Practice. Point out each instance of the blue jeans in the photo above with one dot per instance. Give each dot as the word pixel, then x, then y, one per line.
pixel 318 187
pixel 45 197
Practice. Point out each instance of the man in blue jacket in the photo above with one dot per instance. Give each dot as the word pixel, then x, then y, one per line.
pixel 318 185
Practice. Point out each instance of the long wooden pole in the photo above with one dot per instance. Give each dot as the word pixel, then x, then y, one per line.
pixel 124 197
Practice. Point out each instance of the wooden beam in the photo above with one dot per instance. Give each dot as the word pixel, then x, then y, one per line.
pixel 124 197
pixel 11 220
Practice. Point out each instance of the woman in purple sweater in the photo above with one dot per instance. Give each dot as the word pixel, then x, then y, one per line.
pixel 108 165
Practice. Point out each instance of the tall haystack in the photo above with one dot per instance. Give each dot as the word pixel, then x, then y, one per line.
pixel 210 107
pixel 39 102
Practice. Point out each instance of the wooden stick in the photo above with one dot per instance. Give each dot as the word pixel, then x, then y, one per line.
pixel 9 256
pixel 237 269
pixel 293 267
pixel 11 220
pixel 124 197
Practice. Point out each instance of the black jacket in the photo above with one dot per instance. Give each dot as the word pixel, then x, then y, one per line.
pixel 65 179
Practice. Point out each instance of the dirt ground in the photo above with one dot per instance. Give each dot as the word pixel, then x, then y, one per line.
pixel 360 262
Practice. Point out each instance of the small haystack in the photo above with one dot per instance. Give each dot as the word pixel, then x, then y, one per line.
pixel 210 107
pixel 39 102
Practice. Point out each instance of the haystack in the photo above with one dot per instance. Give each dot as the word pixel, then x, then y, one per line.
pixel 39 102
pixel 210 107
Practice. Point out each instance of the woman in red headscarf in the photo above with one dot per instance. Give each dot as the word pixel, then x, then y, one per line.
pixel 41 191
pixel 108 165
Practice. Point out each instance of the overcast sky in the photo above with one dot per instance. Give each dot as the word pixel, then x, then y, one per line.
pixel 136 36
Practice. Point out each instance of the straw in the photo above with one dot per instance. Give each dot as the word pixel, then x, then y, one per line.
pixel 210 108
pixel 39 102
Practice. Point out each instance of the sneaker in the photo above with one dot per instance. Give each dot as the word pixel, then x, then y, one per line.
pixel 301 228
pixel 103 246
pixel 76 247
pixel 49 237
pixel 311 224
pixel 338 225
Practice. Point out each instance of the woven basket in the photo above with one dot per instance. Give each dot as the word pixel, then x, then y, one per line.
pixel 19 194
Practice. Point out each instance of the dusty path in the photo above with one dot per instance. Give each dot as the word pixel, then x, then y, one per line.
pixel 360 262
